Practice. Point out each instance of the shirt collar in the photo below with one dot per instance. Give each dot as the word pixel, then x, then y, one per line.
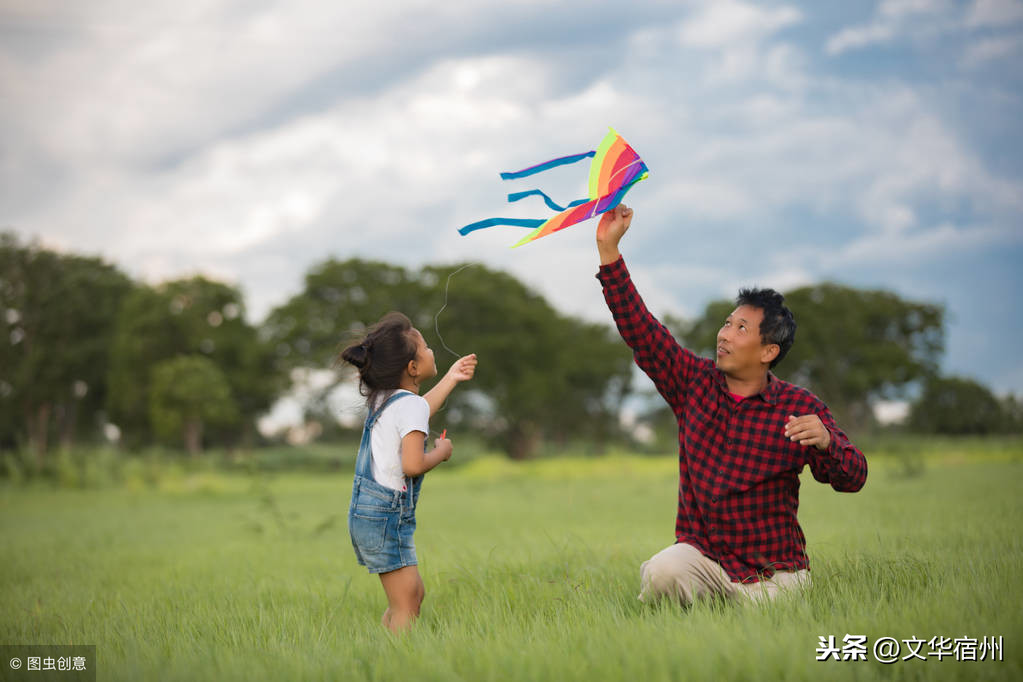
pixel 769 394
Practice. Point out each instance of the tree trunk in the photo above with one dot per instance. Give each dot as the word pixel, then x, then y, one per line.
pixel 523 437
pixel 193 435
pixel 66 424
pixel 38 429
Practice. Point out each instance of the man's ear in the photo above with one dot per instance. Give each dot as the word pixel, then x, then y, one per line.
pixel 769 353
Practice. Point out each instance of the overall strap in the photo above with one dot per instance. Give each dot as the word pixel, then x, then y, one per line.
pixel 363 462
pixel 372 417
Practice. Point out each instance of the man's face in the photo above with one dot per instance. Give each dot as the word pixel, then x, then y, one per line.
pixel 739 350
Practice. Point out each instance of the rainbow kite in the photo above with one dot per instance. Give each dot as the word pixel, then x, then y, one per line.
pixel 615 168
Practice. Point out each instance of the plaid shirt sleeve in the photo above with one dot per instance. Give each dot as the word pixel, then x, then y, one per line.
pixel 656 351
pixel 841 464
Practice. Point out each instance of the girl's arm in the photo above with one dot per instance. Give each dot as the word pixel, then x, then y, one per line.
pixel 462 370
pixel 416 462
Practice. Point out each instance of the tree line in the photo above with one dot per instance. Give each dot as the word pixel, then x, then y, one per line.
pixel 86 348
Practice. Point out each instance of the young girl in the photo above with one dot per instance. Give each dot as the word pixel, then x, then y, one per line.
pixel 393 360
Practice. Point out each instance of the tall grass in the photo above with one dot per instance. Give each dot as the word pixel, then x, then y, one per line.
pixel 531 573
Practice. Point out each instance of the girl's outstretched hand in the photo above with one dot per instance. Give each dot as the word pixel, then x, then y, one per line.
pixel 464 368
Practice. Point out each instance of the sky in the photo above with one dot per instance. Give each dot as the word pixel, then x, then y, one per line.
pixel 875 144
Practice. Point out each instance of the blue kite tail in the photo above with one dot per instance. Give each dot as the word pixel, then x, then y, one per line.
pixel 546 165
pixel 547 200
pixel 490 222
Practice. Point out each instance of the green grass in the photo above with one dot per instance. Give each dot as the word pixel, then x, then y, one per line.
pixel 531 572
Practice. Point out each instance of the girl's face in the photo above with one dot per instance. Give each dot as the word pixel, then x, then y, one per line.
pixel 424 364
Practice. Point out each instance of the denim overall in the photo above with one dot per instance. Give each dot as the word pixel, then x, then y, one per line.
pixel 381 520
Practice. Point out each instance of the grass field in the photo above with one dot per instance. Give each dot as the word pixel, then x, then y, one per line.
pixel 531 573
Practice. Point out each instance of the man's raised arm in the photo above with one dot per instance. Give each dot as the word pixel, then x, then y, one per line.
pixel 655 350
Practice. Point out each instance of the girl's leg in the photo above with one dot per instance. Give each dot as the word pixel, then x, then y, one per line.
pixel 405 592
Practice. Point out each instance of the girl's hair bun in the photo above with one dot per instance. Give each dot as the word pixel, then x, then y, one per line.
pixel 357 354
pixel 382 355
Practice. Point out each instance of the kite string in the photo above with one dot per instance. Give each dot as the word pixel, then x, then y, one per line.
pixel 436 327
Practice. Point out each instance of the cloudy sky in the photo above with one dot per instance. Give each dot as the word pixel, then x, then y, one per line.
pixel 877 144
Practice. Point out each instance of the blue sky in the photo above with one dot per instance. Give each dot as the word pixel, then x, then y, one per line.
pixel 874 144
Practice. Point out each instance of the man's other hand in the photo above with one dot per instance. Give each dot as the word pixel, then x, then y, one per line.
pixel 808 430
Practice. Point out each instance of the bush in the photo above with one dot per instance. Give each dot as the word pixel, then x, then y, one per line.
pixel 956 406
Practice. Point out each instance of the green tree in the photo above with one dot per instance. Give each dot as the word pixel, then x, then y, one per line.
pixel 193 316
pixel 853 346
pixel 57 314
pixel 1012 408
pixel 339 299
pixel 549 376
pixel 542 375
pixel 957 406
pixel 187 394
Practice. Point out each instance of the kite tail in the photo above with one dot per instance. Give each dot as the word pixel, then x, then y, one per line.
pixel 547 200
pixel 546 165
pixel 525 172
pixel 490 222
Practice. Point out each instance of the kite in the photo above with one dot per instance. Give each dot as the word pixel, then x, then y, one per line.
pixel 615 168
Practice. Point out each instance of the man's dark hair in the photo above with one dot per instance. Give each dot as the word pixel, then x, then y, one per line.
pixel 778 325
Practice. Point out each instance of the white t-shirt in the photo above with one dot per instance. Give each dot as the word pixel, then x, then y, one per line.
pixel 398 419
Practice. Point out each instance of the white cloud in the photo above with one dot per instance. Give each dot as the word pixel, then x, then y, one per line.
pixel 737 36
pixel 895 19
pixel 207 140
pixel 136 86
pixel 787 277
pixel 991 49
pixel 859 36
pixel 724 23
pixel 921 245
pixel 934 20
pixel 703 197
pixel 904 8
pixel 994 13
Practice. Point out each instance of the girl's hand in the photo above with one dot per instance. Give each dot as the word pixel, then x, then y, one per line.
pixel 443 447
pixel 463 369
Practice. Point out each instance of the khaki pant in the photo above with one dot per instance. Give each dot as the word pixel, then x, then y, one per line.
pixel 683 572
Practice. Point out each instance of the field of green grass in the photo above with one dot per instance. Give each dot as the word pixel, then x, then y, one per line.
pixel 531 573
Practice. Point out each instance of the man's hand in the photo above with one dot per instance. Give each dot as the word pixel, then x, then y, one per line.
pixel 463 369
pixel 612 227
pixel 808 430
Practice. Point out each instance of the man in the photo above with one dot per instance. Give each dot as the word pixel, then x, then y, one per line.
pixel 744 436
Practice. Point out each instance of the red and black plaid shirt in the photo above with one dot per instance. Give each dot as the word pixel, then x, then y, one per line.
pixel 738 489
